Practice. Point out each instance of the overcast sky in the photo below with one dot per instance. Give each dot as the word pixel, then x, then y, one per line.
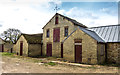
pixel 30 16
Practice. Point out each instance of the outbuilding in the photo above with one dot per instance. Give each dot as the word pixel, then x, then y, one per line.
pixel 1 45
pixel 29 45
pixel 84 46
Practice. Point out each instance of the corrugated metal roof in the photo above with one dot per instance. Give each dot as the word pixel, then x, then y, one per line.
pixel 92 34
pixel 109 33
pixel 89 32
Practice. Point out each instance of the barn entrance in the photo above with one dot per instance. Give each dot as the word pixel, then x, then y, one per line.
pixel 21 48
pixel 49 49
pixel 78 51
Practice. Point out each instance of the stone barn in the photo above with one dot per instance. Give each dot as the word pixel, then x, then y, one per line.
pixel 84 46
pixel 1 45
pixel 66 38
pixel 55 31
pixel 111 35
pixel 29 45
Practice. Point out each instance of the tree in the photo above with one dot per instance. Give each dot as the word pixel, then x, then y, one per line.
pixel 11 35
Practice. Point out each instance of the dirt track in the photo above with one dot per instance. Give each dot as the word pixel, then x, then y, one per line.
pixel 20 65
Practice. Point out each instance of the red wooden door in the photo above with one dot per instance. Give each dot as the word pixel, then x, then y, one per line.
pixel 49 49
pixel 21 48
pixel 78 52
pixel 56 35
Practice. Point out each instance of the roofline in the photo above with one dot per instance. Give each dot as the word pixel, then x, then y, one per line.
pixel 101 42
pixel 68 20
pixel 109 42
pixel 104 26
pixel 84 32
pixel 30 34
pixel 2 39
pixel 49 21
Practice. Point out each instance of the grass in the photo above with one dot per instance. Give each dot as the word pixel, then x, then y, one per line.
pixel 36 61
pixel 7 54
pixel 50 63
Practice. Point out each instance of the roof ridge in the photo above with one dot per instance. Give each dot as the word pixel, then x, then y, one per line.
pixel 104 26
pixel 71 19
pixel 31 34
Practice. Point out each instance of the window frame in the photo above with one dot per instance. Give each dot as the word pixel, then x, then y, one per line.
pixel 56 20
pixel 48 33
pixel 65 31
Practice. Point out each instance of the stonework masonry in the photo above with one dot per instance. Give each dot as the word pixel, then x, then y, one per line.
pixel 25 46
pixel 34 50
pixel 112 52
pixel 89 48
pixel 56 46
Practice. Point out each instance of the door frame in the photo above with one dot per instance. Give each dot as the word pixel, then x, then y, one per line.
pixel 77 42
pixel 21 48
pixel 48 49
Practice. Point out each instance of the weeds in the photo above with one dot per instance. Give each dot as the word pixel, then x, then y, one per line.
pixel 50 63
pixel 7 54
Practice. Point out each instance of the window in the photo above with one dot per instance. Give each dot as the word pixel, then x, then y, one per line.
pixel 56 20
pixel 66 31
pixel 48 33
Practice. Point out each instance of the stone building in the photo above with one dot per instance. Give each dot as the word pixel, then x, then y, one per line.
pixel 66 38
pixel 8 47
pixel 29 45
pixel 1 45
pixel 111 35
pixel 55 31
pixel 84 46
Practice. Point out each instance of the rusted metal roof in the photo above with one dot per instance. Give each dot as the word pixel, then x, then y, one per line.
pixel 109 33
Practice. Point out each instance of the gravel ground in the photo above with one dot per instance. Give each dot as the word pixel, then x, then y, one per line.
pixel 20 65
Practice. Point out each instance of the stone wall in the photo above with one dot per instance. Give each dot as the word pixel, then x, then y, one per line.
pixel 112 52
pixel 8 47
pixel 101 53
pixel 16 47
pixel 56 46
pixel 34 50
pixel 89 48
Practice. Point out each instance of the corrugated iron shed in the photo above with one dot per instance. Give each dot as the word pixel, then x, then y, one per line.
pixel 109 33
